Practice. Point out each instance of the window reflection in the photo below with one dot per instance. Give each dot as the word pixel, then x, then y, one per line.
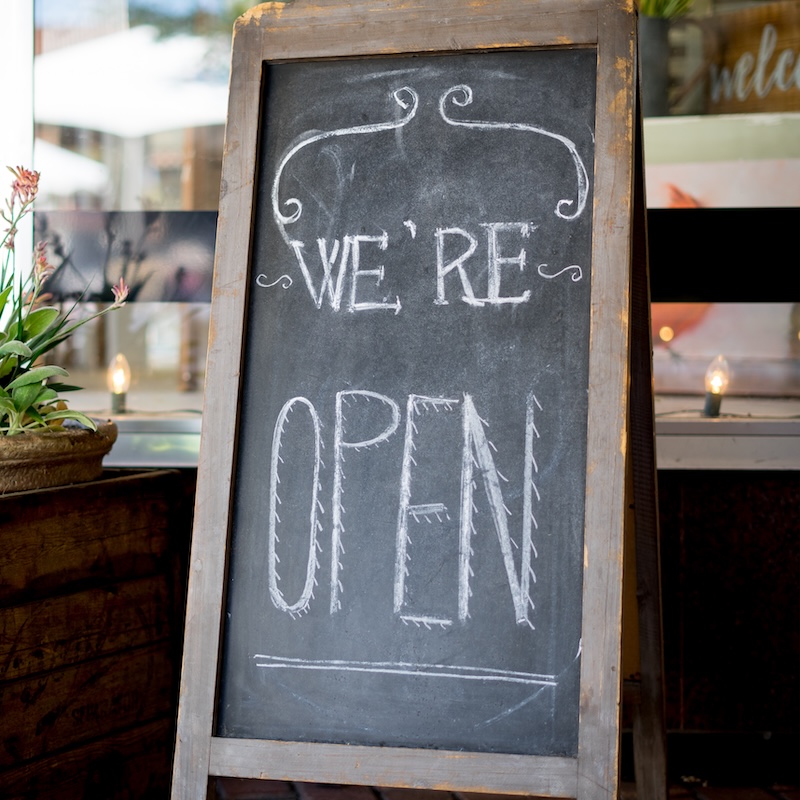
pixel 761 341
pixel 719 56
pixel 129 105
pixel 725 134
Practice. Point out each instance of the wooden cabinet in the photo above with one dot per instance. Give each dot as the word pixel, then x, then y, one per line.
pixel 92 581
pixel 730 565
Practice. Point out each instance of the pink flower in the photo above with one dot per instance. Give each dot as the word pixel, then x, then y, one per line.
pixel 120 292
pixel 42 268
pixel 25 185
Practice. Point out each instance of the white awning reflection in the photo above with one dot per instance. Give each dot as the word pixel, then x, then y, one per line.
pixel 64 172
pixel 131 84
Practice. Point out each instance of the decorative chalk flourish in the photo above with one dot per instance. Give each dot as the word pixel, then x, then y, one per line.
pixel 461 96
pixel 405 97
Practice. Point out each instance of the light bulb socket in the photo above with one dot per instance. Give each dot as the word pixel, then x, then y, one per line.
pixel 119 404
pixel 712 405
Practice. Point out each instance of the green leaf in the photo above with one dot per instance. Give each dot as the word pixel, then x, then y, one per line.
pixel 35 415
pixel 78 416
pixel 4 296
pixel 36 375
pixel 49 395
pixel 6 366
pixel 40 320
pixel 64 387
pixel 25 396
pixel 15 347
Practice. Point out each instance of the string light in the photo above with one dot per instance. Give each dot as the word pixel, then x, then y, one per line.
pixel 718 376
pixel 118 379
pixel 666 334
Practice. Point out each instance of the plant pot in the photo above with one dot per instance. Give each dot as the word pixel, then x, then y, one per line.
pixel 654 62
pixel 54 458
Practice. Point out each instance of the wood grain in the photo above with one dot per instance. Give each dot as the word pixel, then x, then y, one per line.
pixel 91 617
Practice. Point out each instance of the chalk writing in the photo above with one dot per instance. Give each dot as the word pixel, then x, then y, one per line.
pixel 575 272
pixel 461 672
pixel 284 281
pixel 349 254
pixel 414 406
pixel 339 447
pixel 407 532
pixel 301 605
pixel 462 96
pixel 476 456
pixel 405 97
pixel 340 257
pixel 495 264
pixel 363 305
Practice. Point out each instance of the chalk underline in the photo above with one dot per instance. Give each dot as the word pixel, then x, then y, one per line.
pixel 403 668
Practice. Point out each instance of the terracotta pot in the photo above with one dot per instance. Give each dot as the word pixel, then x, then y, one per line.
pixel 54 458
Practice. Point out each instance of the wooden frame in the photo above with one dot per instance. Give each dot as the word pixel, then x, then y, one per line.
pixel 331 29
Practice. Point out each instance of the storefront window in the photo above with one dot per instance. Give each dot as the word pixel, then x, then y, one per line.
pixel 723 132
pixel 130 98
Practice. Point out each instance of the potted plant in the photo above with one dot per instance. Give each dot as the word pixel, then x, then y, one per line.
pixel 665 9
pixel 654 22
pixel 43 442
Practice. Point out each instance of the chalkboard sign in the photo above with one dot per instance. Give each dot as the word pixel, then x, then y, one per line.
pixel 409 535
pixel 408 525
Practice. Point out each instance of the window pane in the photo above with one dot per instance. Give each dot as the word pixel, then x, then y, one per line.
pixel 130 103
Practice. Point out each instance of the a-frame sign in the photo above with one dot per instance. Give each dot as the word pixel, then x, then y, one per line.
pixel 407 559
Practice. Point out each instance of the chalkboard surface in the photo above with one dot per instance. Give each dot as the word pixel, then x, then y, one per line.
pixel 407 536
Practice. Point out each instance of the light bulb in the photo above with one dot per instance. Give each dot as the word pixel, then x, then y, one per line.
pixel 718 376
pixel 118 379
pixel 666 334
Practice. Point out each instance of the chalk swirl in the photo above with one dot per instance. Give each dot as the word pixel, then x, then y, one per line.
pixel 405 97
pixel 285 281
pixel 575 272
pixel 461 96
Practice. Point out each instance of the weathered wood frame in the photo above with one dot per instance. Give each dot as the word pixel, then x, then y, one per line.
pixel 275 32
